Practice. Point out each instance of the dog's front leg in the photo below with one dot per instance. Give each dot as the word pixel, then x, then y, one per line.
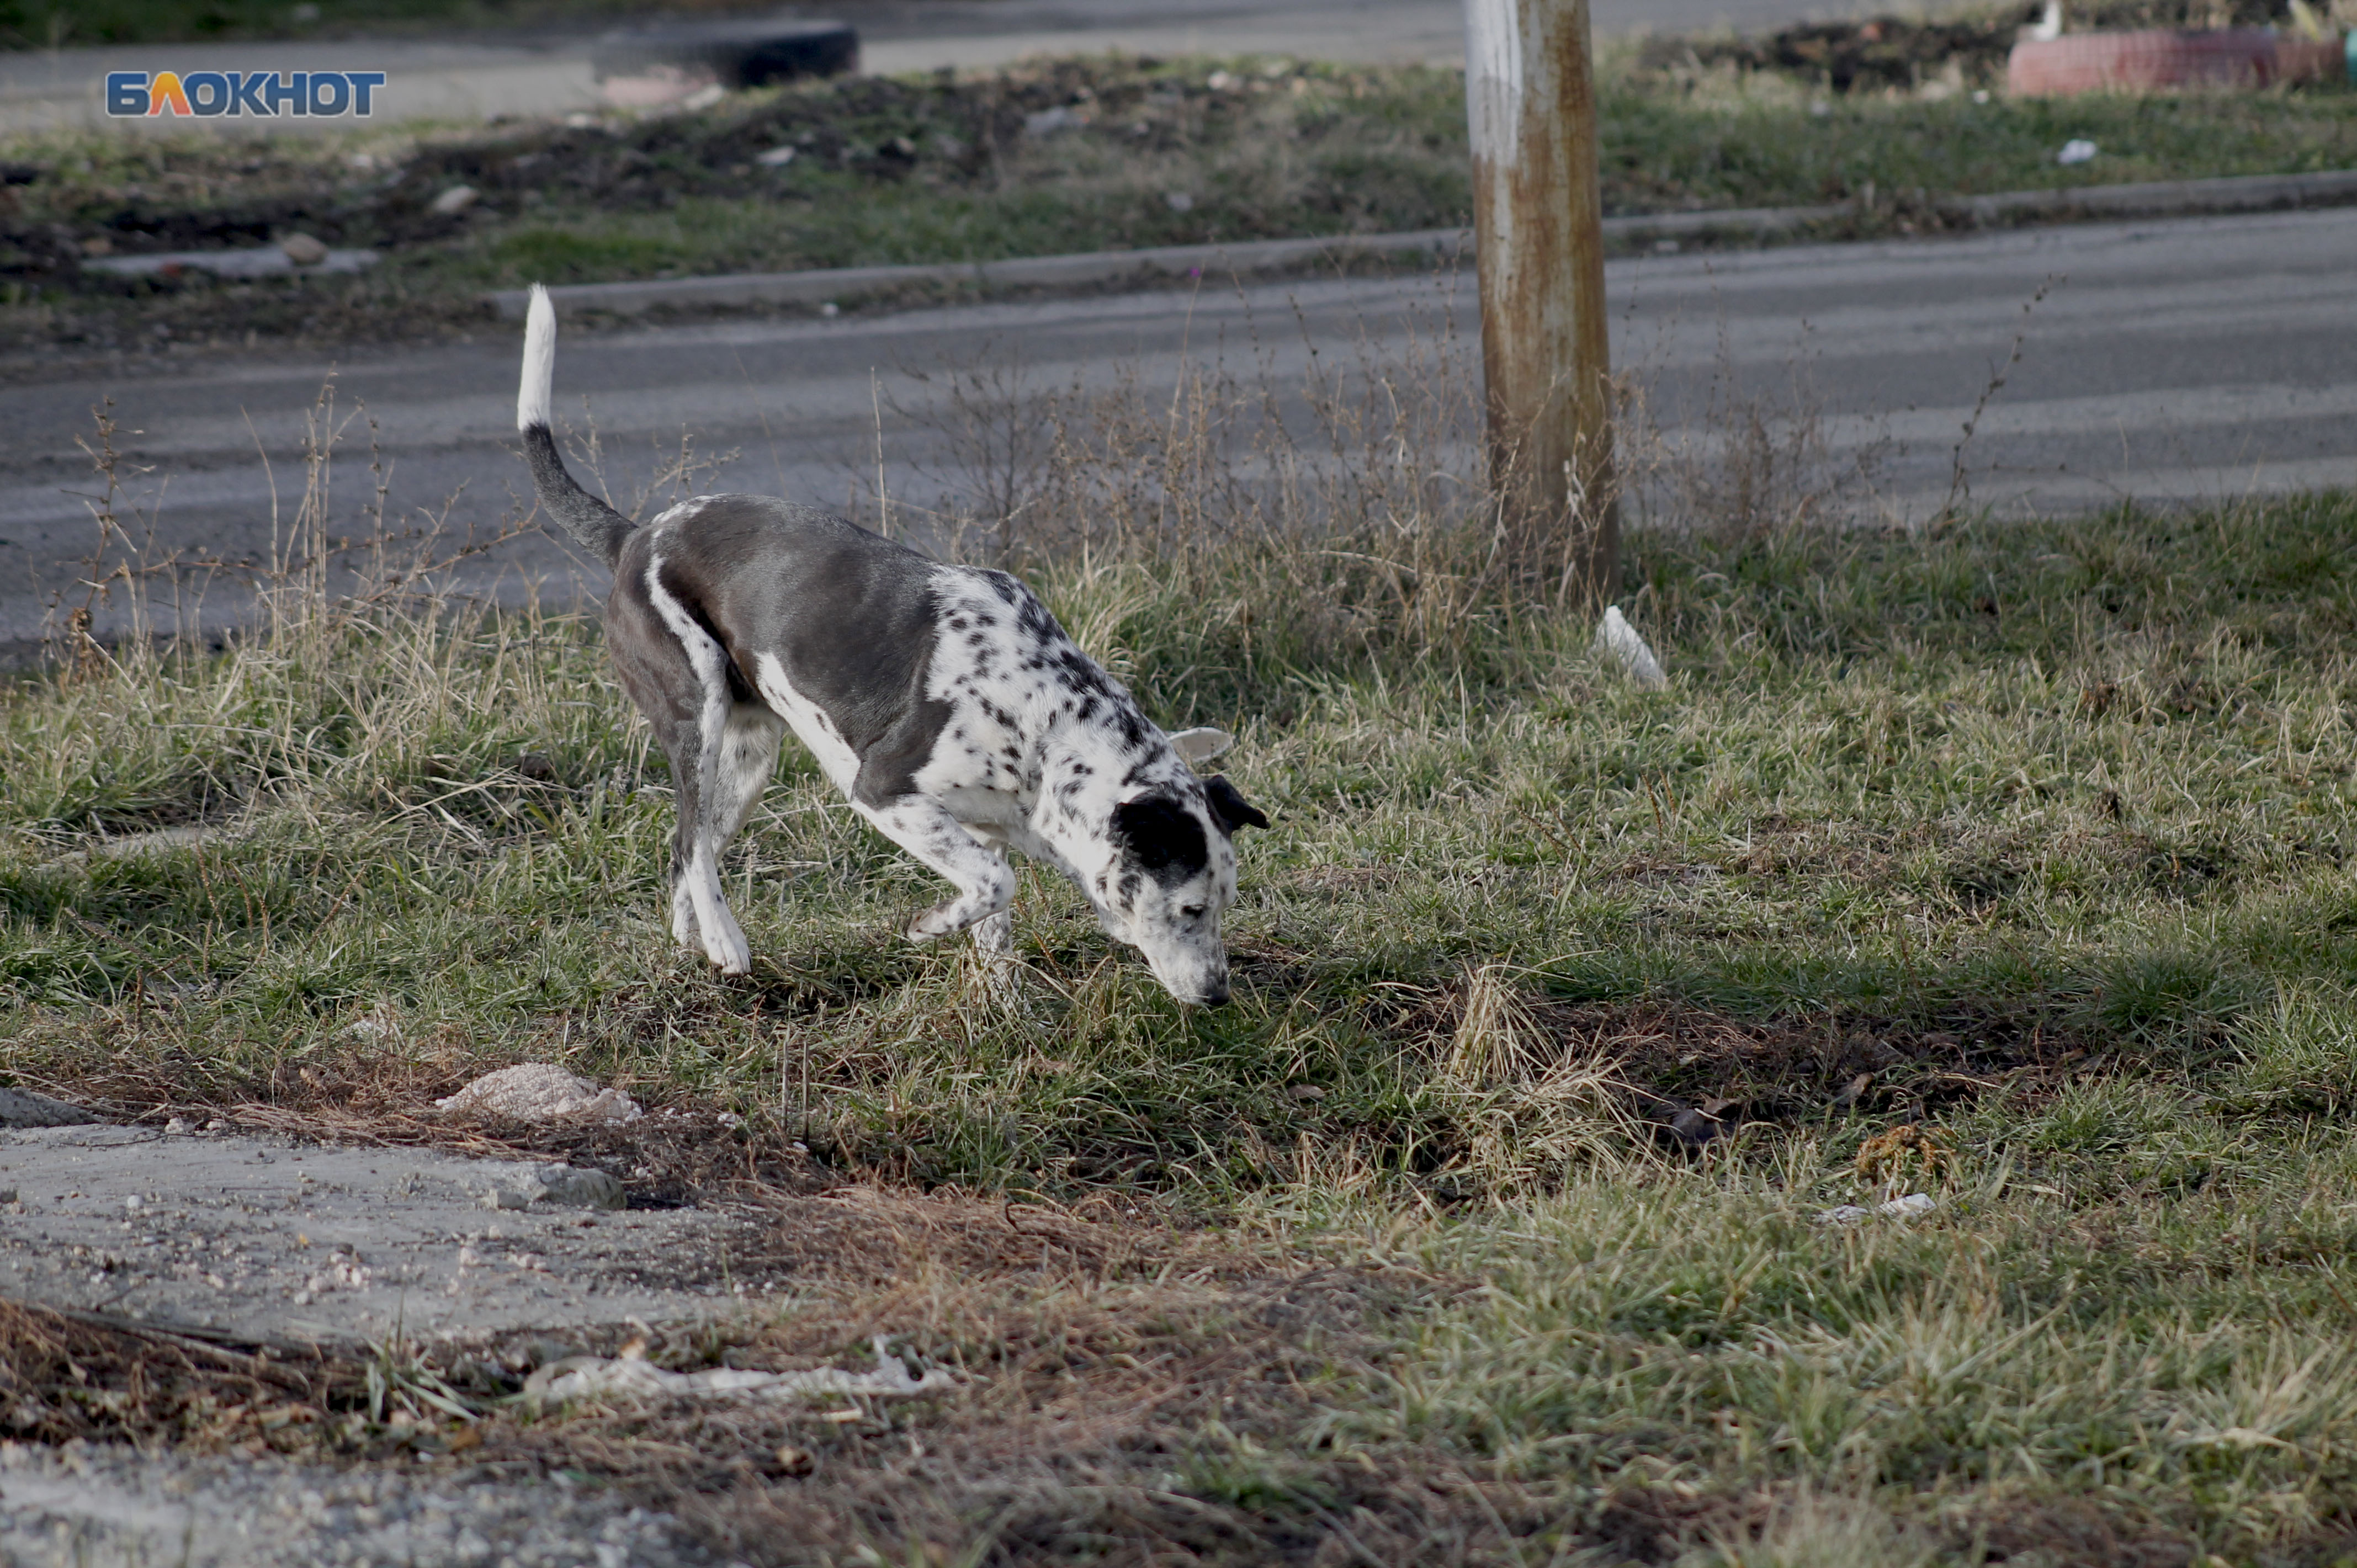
pixel 986 883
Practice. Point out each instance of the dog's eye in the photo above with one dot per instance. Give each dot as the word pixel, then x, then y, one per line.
pixel 1192 912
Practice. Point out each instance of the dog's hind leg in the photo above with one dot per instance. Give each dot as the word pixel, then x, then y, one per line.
pixel 749 756
pixel 924 826
pixel 719 747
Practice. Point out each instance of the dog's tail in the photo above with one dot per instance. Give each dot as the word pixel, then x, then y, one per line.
pixel 598 527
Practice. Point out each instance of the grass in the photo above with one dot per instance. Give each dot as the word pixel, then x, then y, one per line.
pixel 2008 864
pixel 890 171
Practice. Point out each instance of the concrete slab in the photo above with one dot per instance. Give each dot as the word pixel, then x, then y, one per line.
pixel 267 1238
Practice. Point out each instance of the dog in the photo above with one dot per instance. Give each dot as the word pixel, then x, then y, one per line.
pixel 944 702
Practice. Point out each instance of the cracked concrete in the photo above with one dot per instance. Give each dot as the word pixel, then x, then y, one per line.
pixel 271 1238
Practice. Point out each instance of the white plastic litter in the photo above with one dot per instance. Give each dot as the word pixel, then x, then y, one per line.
pixel 579 1377
pixel 1914 1206
pixel 1616 636
pixel 2077 150
pixel 776 157
pixel 1200 745
pixel 539 1091
pixel 455 201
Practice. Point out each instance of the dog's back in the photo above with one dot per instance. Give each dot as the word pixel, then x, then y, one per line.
pixel 814 612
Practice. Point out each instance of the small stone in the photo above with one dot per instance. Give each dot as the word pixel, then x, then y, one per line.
pixel 1179 201
pixel 776 157
pixel 455 201
pixel 303 250
pixel 574 1187
pixel 18 1108
pixel 566 1187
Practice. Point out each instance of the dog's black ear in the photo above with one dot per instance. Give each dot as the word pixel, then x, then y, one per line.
pixel 1232 809
pixel 1164 841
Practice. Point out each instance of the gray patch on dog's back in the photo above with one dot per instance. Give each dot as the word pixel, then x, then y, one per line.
pixel 1162 838
pixel 849 615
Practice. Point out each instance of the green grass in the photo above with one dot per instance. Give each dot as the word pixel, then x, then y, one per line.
pixel 2034 839
pixel 932 171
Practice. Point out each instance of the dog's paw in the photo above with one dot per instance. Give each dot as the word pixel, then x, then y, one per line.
pixel 728 949
pixel 939 921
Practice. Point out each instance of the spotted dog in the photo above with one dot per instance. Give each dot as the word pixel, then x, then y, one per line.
pixel 943 701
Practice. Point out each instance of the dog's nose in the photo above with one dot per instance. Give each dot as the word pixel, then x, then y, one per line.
pixel 1215 995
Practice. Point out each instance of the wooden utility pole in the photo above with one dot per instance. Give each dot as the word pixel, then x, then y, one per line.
pixel 1538 225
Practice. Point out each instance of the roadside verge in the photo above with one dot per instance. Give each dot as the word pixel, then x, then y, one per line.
pixel 838 286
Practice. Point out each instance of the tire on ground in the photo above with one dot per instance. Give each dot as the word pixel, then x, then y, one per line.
pixel 668 61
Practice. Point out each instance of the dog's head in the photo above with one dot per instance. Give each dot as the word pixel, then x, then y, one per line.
pixel 1171 873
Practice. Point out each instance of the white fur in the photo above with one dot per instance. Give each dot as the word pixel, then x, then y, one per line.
pixel 698 907
pixel 811 726
pixel 534 391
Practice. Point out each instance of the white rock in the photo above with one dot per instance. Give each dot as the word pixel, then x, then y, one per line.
pixel 1048 122
pixel 539 1091
pixel 455 201
pixel 776 157
pixel 303 250
pixel 2077 150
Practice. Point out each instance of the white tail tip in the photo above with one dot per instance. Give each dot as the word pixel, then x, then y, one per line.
pixel 539 362
pixel 1616 638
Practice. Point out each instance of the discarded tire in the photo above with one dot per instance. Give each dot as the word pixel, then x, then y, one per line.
pixel 663 63
pixel 2143 61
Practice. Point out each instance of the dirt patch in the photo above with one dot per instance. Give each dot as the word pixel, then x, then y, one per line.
pixel 1128 1423
pixel 1690 1074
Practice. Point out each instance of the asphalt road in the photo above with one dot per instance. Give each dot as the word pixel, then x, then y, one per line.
pixel 469 77
pixel 2173 362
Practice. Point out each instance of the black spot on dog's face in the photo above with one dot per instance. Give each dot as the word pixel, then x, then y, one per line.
pixel 1161 838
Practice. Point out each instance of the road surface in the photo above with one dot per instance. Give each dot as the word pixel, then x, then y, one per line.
pixel 2174 362
pixel 470 78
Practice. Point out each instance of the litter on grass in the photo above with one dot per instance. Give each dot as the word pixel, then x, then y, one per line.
pixel 2077 150
pixel 1616 638
pixel 580 1377
pixel 539 1091
pixel 1913 1207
